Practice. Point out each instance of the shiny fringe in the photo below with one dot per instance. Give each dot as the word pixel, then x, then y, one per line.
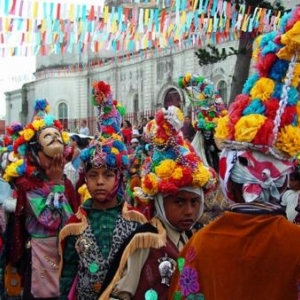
pixel 139 241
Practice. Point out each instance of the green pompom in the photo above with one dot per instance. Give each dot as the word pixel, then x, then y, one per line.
pixel 122 110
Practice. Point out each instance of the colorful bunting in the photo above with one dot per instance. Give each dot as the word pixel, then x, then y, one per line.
pixel 45 26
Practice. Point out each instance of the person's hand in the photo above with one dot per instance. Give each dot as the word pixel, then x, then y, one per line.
pixel 55 169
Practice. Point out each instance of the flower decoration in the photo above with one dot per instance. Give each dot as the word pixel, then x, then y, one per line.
pixel 107 150
pixel 23 135
pixel 266 116
pixel 173 163
pixel 100 92
pixel 14 129
pixel 188 281
pixel 205 98
pixel 17 169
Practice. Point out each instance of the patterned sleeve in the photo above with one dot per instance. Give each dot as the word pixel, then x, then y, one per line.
pixel 69 267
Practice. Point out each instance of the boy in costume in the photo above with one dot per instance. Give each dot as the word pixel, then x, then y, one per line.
pixel 93 236
pixel 173 181
pixel 44 202
pixel 253 251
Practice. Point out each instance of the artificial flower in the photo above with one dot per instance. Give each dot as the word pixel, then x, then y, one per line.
pixel 167 187
pixel 150 184
pixel 165 169
pixel 114 150
pixel 65 137
pixel 288 140
pixel 202 176
pixel 28 134
pixel 296 76
pixel 246 128
pixel 222 131
pixel 38 124
pixel 291 40
pixel 262 89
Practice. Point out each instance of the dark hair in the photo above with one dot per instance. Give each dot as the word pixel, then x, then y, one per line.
pixel 127 122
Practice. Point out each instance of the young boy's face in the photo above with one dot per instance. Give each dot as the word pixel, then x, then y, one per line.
pixel 182 210
pixel 294 183
pixel 100 183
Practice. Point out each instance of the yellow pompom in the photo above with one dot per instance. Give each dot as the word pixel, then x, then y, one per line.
pixel 201 176
pixel 247 126
pixel 114 150
pixel 165 169
pixel 65 136
pixel 150 184
pixel 38 124
pixel 222 131
pixel 262 89
pixel 28 134
pixel 288 140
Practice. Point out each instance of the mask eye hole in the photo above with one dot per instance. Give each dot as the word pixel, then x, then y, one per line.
pixel 243 161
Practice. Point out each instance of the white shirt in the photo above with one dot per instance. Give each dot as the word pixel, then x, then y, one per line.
pixel 84 130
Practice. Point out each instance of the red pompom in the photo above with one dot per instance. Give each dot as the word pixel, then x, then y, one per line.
pixel 264 135
pixel 271 108
pixel 265 63
pixel 288 116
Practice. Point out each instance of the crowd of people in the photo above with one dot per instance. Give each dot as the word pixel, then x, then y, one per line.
pixel 171 208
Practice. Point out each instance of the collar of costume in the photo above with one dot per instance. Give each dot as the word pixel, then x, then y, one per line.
pixel 256 208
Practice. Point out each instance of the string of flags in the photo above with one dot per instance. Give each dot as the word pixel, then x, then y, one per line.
pixel 44 27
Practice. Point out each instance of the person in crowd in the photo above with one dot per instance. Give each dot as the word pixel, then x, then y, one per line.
pixel 73 167
pixel 240 254
pixel 91 238
pixel 290 198
pixel 10 279
pixel 188 129
pixel 135 130
pixel 142 125
pixel 83 129
pixel 209 107
pixel 134 144
pixel 127 132
pixel 45 201
pixel 174 178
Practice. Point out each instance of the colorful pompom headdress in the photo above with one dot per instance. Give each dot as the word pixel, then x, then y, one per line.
pixel 205 99
pixel 173 163
pixel 108 149
pixel 266 115
pixel 26 139
pixel 41 119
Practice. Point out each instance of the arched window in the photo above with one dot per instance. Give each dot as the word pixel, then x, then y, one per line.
pixel 63 114
pixel 172 97
pixel 222 89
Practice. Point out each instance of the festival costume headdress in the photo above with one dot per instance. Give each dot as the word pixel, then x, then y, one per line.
pixel 173 163
pixel 265 117
pixel 108 149
pixel 26 139
pixel 205 99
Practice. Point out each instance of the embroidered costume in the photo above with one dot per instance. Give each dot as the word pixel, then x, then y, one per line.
pixel 90 241
pixel 45 201
pixel 146 261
